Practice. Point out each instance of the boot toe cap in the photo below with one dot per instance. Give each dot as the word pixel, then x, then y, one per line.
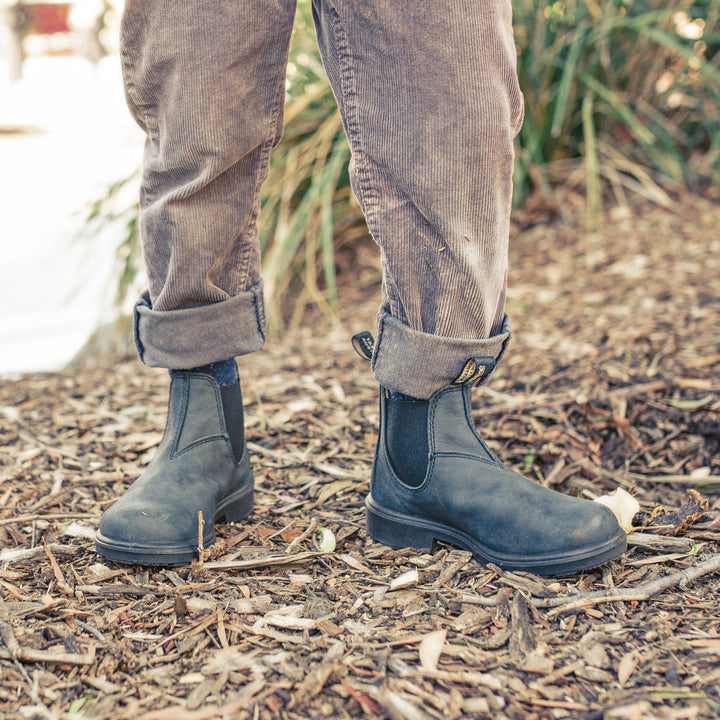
pixel 137 523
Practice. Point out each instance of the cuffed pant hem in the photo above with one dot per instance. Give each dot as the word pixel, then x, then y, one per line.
pixel 190 337
pixel 419 364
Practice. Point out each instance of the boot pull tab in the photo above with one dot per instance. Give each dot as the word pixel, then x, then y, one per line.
pixel 364 343
pixel 475 370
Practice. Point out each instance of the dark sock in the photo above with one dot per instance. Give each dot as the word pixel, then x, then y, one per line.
pixel 393 395
pixel 224 372
pixel 406 436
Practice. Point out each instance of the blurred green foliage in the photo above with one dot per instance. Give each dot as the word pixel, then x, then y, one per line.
pixel 630 87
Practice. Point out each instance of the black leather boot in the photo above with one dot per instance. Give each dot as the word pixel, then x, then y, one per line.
pixel 435 479
pixel 201 464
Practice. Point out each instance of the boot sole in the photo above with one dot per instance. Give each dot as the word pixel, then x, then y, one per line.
pixel 398 531
pixel 235 507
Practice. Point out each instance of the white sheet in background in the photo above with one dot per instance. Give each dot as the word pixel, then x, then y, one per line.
pixel 57 284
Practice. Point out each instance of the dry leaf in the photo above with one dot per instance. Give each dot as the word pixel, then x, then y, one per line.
pixel 534 662
pixel 191 678
pixel 289 623
pixel 228 660
pixel 398 707
pixel 431 648
pixel 196 605
pixel 250 606
pixel 365 700
pixel 61 582
pixel 636 711
pixel 406 580
pixel 626 667
pixel 596 656
pixel 665 521
pixel 76 529
pixel 333 488
pixel 355 564
pixel 624 505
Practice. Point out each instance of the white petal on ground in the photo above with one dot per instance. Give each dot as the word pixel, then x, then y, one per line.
pixel 624 505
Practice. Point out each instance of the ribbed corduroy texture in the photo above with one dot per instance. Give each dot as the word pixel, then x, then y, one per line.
pixel 431 104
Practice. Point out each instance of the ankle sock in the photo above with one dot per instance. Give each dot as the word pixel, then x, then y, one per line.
pixel 224 372
pixel 393 395
pixel 406 437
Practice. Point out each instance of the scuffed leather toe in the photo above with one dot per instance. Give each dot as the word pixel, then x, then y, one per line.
pixel 194 474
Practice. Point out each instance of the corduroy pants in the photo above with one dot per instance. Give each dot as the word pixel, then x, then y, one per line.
pixel 430 103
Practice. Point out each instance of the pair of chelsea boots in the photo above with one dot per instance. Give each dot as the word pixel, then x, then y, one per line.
pixel 433 479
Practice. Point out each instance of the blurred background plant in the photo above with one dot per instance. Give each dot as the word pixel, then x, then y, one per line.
pixel 625 93
pixel 622 98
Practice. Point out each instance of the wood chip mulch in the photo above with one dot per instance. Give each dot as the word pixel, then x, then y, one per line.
pixel 611 381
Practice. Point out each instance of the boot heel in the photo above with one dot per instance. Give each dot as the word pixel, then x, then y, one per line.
pixel 234 509
pixel 393 530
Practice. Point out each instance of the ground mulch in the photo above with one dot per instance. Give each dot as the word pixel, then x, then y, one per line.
pixel 611 381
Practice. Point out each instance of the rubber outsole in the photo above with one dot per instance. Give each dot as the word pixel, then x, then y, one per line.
pixel 398 530
pixel 235 507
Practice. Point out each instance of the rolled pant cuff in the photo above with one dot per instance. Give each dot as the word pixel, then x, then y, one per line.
pixel 190 337
pixel 419 364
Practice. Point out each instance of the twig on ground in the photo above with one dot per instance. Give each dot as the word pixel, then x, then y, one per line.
pixel 65 589
pixel 48 516
pixel 16 652
pixel 300 538
pixel 636 594
pixel 262 562
pixel 201 525
pixel 660 543
pixel 452 570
